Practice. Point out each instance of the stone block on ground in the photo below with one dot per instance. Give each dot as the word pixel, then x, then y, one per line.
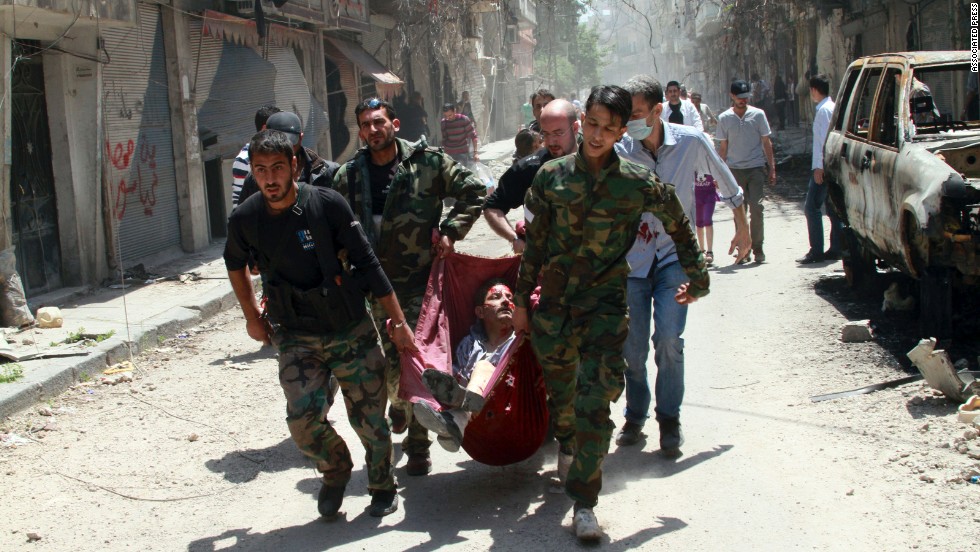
pixel 856 331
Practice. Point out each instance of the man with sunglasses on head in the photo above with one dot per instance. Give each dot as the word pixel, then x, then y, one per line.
pixel 559 129
pixel 396 190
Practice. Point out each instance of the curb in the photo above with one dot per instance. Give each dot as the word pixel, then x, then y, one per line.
pixel 56 375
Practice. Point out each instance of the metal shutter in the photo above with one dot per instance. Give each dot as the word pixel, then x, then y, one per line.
pixel 138 140
pixel 293 94
pixel 139 144
pixel 233 81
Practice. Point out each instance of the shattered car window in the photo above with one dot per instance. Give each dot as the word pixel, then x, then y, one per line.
pixel 861 115
pixel 944 99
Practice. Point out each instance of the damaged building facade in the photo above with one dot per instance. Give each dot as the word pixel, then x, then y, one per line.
pixel 120 119
pixel 707 43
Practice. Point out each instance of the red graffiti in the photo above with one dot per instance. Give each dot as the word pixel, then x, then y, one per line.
pixel 146 181
pixel 118 156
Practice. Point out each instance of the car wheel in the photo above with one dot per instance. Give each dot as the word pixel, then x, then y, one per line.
pixel 859 265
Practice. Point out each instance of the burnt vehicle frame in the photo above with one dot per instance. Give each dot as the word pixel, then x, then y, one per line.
pixel 902 162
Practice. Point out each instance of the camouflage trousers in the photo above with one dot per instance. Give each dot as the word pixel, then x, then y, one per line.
pixel 355 358
pixel 417 441
pixel 581 356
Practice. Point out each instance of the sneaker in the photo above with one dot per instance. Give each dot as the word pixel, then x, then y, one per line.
pixel 629 435
pixel 448 443
pixel 811 258
pixel 418 463
pixel 329 500
pixel 383 503
pixel 586 525
pixel 441 423
pixel 397 420
pixel 564 464
pixel 450 393
pixel 671 437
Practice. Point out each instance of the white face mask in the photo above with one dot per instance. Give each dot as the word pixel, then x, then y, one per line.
pixel 638 129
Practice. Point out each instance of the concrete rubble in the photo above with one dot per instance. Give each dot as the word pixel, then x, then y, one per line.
pixel 939 372
pixel 856 331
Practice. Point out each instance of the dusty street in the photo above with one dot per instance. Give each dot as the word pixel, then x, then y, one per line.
pixel 195 455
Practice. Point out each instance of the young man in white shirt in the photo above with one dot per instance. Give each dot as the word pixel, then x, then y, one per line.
pixel 816 195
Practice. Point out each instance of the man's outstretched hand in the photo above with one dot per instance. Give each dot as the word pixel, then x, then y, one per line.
pixel 520 320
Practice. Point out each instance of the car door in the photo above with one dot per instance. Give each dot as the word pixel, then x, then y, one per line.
pixel 885 193
pixel 856 153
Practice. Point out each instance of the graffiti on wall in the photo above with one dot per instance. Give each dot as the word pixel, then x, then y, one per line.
pixel 142 181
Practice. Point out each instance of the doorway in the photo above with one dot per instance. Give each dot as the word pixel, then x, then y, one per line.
pixel 32 194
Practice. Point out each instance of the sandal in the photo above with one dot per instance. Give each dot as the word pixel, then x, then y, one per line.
pixel 709 258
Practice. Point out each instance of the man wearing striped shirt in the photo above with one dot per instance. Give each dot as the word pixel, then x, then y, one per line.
pixel 240 168
pixel 457 133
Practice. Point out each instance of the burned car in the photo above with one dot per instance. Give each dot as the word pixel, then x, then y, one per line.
pixel 902 160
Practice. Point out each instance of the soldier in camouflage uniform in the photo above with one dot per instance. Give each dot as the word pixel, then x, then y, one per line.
pixel 396 189
pixel 322 323
pixel 583 213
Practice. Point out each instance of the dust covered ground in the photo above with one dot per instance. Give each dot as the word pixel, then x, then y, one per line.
pixel 194 454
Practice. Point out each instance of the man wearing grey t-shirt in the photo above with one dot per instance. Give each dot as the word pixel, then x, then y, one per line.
pixel 745 146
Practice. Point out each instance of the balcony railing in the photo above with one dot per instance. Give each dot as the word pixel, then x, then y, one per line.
pixel 62 12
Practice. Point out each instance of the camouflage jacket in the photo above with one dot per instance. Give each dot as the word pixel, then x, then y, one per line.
pixel 581 228
pixel 424 177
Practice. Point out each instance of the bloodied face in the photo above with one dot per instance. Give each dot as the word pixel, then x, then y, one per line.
pixel 498 305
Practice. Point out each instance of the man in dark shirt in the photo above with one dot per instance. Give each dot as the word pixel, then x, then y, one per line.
pixel 559 127
pixel 318 322
pixel 310 167
pixel 539 99
pixel 414 119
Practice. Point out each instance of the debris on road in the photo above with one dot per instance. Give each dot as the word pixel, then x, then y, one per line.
pixel 866 389
pixel 857 331
pixel 50 317
pixel 938 370
pixel 124 366
pixel 969 412
pixel 11 440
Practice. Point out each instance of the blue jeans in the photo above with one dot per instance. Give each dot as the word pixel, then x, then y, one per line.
pixel 669 319
pixel 816 197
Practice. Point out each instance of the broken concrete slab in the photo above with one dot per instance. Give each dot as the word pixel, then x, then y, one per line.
pixel 938 370
pixel 969 412
pixel 856 331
